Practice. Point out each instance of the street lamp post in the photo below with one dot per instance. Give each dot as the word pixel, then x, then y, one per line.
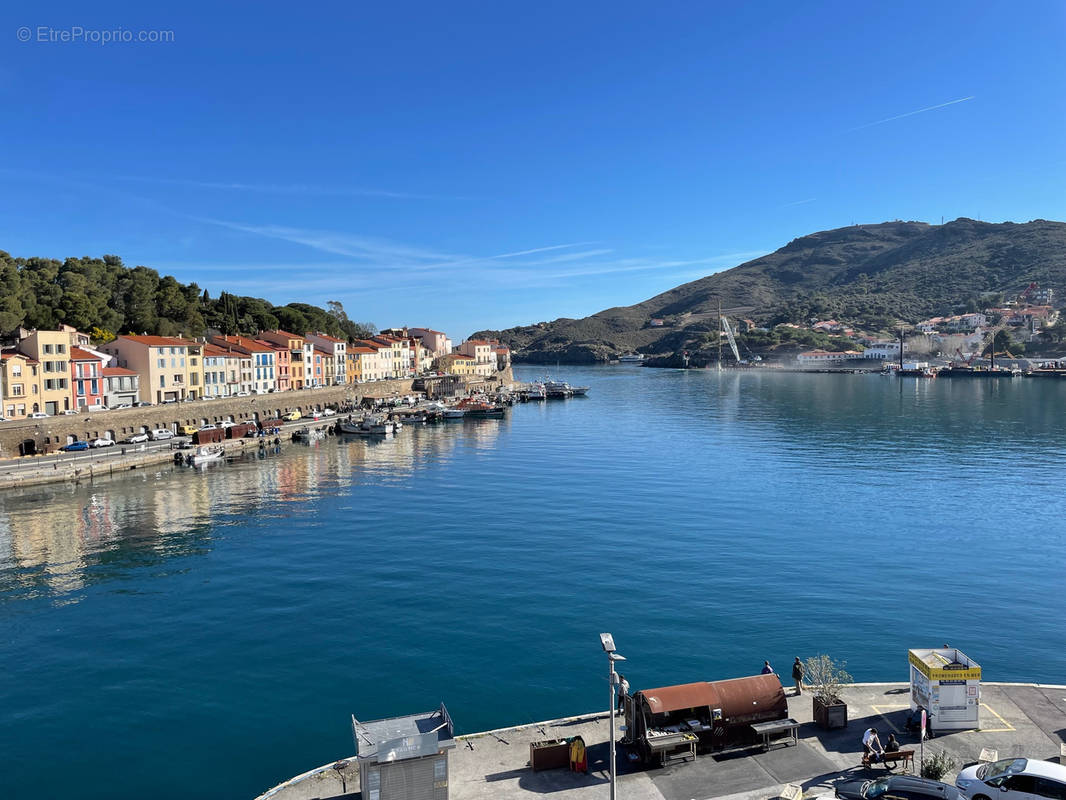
pixel 607 642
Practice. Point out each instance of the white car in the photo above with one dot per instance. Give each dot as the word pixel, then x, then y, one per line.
pixel 39 415
pixel 116 408
pixel 226 424
pixel 101 443
pixel 207 427
pixel 70 411
pixel 162 433
pixel 1013 779
pixel 137 438
pixel 328 412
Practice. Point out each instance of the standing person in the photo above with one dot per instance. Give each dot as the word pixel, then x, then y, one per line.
pixel 871 744
pixel 767 669
pixel 623 690
pixel 797 675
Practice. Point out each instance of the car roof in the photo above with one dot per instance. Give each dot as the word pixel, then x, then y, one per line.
pixel 1045 769
pixel 924 785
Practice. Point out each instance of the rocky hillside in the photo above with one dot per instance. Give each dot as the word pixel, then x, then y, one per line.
pixel 865 275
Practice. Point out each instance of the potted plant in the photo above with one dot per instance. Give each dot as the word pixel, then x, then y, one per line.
pixel 827 679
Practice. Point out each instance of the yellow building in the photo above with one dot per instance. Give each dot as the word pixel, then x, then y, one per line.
pixel 458 364
pixel 21 380
pixel 51 349
pixel 352 370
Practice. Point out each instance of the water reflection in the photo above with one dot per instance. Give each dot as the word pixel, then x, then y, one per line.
pixel 56 540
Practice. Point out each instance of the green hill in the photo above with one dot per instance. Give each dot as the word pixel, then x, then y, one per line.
pixel 104 294
pixel 869 276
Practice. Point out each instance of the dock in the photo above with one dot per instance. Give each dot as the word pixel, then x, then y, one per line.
pixel 1016 720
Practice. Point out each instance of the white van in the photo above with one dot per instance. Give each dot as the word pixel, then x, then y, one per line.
pixel 162 433
pixel 1013 779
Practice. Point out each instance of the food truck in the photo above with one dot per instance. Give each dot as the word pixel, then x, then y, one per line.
pixel 675 721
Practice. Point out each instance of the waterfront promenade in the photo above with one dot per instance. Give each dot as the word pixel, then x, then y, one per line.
pixel 1016 720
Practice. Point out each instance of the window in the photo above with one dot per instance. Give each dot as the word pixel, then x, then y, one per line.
pixel 47 349
pixel 1051 789
pixel 16 370
pixel 161 363
pixel 162 382
pixel 81 388
pixel 61 348
pixel 94 387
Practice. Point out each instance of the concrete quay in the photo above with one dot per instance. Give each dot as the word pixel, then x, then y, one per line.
pixel 1016 720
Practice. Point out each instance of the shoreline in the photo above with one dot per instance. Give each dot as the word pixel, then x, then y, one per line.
pixel 494 763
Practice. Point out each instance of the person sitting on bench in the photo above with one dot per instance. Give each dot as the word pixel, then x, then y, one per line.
pixel 892 745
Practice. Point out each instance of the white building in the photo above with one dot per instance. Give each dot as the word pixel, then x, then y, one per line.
pixel 825 357
pixel 338 348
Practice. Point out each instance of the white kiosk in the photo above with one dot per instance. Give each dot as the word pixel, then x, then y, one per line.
pixel 947 684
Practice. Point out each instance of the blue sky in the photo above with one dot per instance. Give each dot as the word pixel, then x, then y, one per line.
pixel 485 165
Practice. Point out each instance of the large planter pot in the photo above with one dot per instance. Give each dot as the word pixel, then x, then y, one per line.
pixel 831 713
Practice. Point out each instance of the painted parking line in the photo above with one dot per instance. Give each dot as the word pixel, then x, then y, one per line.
pixel 1007 727
pixel 881 711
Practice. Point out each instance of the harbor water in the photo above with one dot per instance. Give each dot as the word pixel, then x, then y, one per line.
pixel 208 632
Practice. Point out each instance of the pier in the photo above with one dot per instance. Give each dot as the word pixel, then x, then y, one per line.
pixel 1018 720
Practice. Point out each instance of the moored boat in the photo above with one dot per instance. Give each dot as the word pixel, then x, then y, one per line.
pixel 204 454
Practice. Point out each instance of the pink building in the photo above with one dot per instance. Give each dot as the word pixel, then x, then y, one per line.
pixel 86 378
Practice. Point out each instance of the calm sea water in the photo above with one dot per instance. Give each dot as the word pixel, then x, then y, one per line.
pixel 208 633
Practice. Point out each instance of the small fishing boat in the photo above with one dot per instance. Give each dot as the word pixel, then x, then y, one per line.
pixel 204 454
pixel 631 358
pixel 308 435
pixel 453 413
pixel 372 425
pixel 536 392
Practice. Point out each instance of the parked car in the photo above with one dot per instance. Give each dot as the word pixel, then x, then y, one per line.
pixel 70 411
pixel 102 443
pixel 242 394
pixel 897 786
pixel 207 427
pixel 162 433
pixel 187 430
pixel 292 416
pixel 328 412
pixel 95 407
pixel 116 408
pixel 1013 779
pixel 3 419
pixel 74 447
pixel 226 424
pixel 39 415
pixel 138 438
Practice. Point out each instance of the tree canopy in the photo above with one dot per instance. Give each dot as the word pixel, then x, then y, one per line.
pixel 105 297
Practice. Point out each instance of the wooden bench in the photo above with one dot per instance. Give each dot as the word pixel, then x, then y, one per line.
pixel 894 756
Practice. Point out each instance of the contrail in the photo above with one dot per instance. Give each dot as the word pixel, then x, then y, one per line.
pixel 911 113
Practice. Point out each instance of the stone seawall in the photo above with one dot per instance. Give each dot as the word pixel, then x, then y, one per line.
pixel 45 436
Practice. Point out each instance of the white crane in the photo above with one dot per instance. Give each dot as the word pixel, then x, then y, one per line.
pixel 732 341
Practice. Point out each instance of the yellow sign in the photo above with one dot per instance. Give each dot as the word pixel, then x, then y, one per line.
pixel 942 674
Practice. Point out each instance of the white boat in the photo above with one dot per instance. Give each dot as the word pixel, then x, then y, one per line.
pixel 372 425
pixel 453 413
pixel 536 391
pixel 204 454
pixel 630 358
pixel 308 435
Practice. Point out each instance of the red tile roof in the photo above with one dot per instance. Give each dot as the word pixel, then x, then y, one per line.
pixel 77 354
pixel 327 337
pixel 110 372
pixel 160 341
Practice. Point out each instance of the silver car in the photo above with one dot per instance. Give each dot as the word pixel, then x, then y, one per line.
pixel 1013 779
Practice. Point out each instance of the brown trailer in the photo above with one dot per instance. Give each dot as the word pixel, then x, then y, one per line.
pixel 211 436
pixel 662 721
pixel 240 430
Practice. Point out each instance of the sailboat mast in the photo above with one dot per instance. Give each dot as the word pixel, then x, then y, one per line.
pixel 719 334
